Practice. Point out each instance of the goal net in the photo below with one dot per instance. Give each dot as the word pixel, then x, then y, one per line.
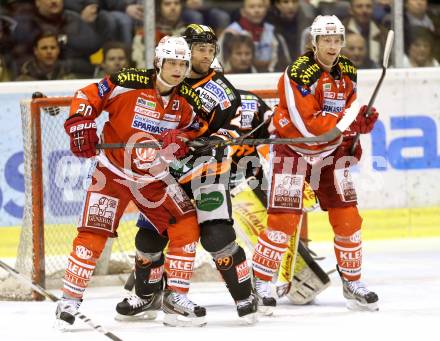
pixel 55 185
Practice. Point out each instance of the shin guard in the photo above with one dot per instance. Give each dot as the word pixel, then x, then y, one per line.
pixel 232 264
pixel 148 273
pixel 87 247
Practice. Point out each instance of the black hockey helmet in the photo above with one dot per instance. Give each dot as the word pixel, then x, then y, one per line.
pixel 195 33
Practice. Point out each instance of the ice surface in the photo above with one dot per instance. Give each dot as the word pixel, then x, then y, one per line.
pixel 404 273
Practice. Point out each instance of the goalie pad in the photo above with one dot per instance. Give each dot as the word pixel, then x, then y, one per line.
pixel 309 278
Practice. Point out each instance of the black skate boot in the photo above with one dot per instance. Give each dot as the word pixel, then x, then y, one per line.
pixel 180 311
pixel 133 307
pixel 266 302
pixel 358 296
pixel 247 309
pixel 65 313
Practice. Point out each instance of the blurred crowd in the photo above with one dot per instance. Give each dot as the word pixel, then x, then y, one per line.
pixel 66 39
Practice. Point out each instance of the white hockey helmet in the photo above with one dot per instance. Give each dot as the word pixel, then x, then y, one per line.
pixel 325 25
pixel 172 48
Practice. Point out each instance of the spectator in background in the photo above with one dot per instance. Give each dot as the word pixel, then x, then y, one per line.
pixel 128 16
pixel 240 55
pixel 361 22
pixel 78 40
pixel 340 8
pixel 115 58
pixel 7 26
pixel 290 21
pixel 356 50
pixel 196 12
pixel 45 64
pixel 417 14
pixel 382 12
pixel 4 72
pixel 169 21
pixel 271 51
pixel 420 49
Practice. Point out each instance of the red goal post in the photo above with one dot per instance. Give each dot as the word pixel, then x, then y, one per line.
pixel 50 214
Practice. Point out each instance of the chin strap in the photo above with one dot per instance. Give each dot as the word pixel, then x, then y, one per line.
pixel 163 81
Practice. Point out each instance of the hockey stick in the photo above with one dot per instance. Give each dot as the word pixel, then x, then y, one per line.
pixel 53 298
pixel 386 57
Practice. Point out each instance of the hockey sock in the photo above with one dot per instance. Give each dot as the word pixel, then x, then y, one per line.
pixel 346 223
pixel 87 247
pixel 232 264
pixel 179 266
pixel 268 253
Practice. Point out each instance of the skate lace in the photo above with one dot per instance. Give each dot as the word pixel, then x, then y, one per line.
pixel 135 301
pixel 183 301
pixel 245 302
pixel 263 288
pixel 357 288
pixel 70 306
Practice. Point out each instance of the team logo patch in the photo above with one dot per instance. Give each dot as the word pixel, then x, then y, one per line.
pixel 101 211
pixel 283 122
pixel 179 197
pixel 278 237
pixel 209 100
pixel 287 191
pixel 146 112
pixel 156 275
pixel 242 271
pixel 209 201
pixel 103 88
pixel 249 105
pixel 190 248
pixel 303 90
pixel 345 185
pixel 82 252
pixel 150 125
pixel 333 105
pixel 327 86
pixel 145 103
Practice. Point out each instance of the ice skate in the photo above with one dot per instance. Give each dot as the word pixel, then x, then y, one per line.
pixel 358 296
pixel 135 308
pixel 247 309
pixel 65 313
pixel 180 311
pixel 266 302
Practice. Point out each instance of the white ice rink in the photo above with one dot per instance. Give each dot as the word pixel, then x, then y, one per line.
pixel 404 273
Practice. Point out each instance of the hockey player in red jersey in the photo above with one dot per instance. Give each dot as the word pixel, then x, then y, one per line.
pixel 225 120
pixel 143 105
pixel 316 92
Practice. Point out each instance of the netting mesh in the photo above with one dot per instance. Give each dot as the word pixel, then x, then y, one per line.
pixel 65 179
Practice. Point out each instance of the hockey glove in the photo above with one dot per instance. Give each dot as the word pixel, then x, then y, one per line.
pixel 83 137
pixel 174 136
pixel 363 124
pixel 344 150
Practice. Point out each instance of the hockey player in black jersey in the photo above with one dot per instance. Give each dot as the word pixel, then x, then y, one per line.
pixel 222 104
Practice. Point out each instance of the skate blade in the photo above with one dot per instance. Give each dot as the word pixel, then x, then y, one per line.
pixel 266 310
pixel 144 316
pixel 249 319
pixel 176 320
pixel 62 326
pixel 358 306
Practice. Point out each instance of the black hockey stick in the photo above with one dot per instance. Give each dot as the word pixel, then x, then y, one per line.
pixel 386 57
pixel 239 141
pixel 53 298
